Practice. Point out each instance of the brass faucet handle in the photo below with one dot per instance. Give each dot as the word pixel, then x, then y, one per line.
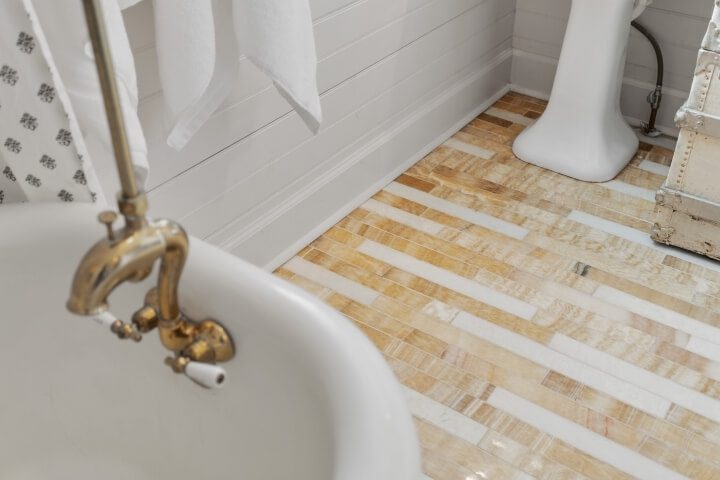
pixel 125 330
pixel 145 319
pixel 107 218
pixel 177 363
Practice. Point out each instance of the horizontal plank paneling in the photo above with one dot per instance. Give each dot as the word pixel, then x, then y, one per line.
pixel 383 67
pixel 291 177
pixel 365 171
pixel 391 84
pixel 255 103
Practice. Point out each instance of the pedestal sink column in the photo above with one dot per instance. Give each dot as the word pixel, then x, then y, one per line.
pixel 582 133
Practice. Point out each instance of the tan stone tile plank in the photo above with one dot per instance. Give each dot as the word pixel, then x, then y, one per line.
pixel 605 336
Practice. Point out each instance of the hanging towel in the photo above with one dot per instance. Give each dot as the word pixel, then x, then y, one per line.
pixel 63 24
pixel 195 83
pixel 199 44
pixel 277 36
pixel 42 153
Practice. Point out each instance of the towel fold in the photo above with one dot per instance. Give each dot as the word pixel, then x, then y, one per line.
pixel 277 36
pixel 199 43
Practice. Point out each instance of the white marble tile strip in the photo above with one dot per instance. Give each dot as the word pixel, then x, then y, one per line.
pixel 704 348
pixel 587 441
pixel 448 279
pixel 683 396
pixel 658 313
pixel 326 278
pixel 510 116
pixel 401 216
pixel 444 417
pixel 655 168
pixel 455 210
pixel 601 307
pixel 440 310
pixel 643 238
pixel 632 190
pixel 543 355
pixel 469 148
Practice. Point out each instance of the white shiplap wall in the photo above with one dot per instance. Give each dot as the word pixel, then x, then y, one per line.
pixel 396 77
pixel 679 26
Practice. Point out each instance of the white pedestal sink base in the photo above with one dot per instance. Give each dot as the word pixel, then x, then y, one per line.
pixel 582 133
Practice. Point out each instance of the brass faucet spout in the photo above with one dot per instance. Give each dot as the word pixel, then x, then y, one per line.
pixel 130 253
pixel 105 266
pixel 129 256
pixel 173 261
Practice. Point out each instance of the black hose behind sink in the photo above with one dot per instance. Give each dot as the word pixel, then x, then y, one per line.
pixel 655 97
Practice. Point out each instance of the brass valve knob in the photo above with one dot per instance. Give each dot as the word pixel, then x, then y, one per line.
pixel 177 364
pixel 107 218
pixel 125 330
pixel 145 319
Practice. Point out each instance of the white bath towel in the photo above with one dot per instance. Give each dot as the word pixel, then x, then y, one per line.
pixel 199 43
pixel 277 35
pixel 63 24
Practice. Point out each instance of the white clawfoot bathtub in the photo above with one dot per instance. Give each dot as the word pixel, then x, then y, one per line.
pixel 307 396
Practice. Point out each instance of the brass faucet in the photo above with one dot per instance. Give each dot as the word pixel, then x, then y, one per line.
pixel 129 253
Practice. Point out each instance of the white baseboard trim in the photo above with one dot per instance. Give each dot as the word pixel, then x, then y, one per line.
pixel 542 95
pixel 294 224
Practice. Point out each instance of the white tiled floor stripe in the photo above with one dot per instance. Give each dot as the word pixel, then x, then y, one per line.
pixel 676 393
pixel 564 364
pixel 510 116
pixel 643 238
pixel 469 148
pixel 326 278
pixel 401 216
pixel 584 440
pixel 448 279
pixel 435 308
pixel 655 168
pixel 440 310
pixel 601 307
pixel 704 348
pixel 444 417
pixel 660 314
pixel 450 208
pixel 632 190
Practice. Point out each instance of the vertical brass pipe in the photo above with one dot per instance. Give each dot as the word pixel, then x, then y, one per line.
pixel 106 73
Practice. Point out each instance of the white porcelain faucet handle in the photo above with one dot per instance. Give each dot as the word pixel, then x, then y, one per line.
pixel 105 318
pixel 209 376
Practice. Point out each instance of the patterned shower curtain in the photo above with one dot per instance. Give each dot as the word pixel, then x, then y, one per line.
pixel 42 156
